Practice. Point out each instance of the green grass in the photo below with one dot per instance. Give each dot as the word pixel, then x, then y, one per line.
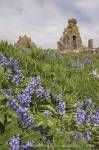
pixel 56 75
pixel 54 71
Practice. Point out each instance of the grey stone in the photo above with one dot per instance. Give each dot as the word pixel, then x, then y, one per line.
pixel 90 43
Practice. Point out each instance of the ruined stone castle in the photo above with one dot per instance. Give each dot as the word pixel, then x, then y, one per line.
pixel 25 42
pixel 71 39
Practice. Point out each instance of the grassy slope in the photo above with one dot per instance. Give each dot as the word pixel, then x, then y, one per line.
pixel 75 84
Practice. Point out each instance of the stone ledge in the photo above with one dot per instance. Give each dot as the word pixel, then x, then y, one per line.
pixel 72 51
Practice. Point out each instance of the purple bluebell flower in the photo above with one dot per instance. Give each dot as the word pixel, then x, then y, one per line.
pixel 1 57
pixel 80 116
pixel 76 63
pixel 13 63
pixel 18 96
pixel 23 111
pixel 25 121
pixel 30 87
pixel 30 121
pixel 47 94
pixel 88 118
pixel 14 143
pixel 88 134
pixel 13 104
pixel 25 99
pixel 95 117
pixel 87 61
pixel 61 106
pixel 4 59
pixel 28 146
pixel 34 87
pixel 18 77
pixel 7 92
pixel 40 92
pixel 38 81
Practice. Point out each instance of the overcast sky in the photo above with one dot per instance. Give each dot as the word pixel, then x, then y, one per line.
pixel 45 20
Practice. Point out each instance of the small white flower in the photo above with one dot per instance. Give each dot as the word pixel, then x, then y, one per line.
pixel 94 73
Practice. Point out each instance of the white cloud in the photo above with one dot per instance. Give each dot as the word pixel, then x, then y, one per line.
pixel 45 20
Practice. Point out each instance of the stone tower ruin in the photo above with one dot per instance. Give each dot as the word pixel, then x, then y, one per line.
pixel 90 43
pixel 70 40
pixel 25 42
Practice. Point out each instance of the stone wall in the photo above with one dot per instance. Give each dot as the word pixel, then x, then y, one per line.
pixel 70 40
pixel 90 43
pixel 25 42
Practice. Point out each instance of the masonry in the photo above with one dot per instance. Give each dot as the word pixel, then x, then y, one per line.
pixel 70 39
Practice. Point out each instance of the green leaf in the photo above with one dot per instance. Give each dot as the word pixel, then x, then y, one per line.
pixel 49 107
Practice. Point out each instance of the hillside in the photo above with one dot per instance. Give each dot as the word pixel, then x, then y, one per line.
pixel 68 79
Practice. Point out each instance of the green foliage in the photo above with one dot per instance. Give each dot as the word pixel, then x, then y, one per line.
pixel 56 75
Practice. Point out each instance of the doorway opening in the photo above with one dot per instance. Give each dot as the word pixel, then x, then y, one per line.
pixel 74 42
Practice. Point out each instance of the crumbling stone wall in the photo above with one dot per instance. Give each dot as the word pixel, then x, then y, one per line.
pixel 25 42
pixel 70 40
